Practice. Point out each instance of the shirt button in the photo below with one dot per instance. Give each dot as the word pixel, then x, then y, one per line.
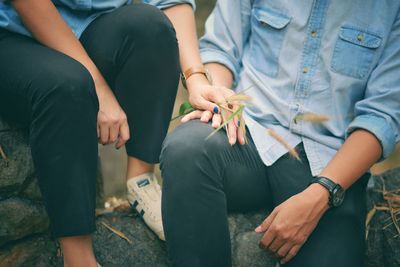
pixel 360 37
pixel 313 34
pixel 305 70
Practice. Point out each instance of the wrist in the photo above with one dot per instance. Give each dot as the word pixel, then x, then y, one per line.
pixel 196 80
pixel 319 196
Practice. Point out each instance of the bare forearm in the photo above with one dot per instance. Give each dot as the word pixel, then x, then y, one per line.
pixel 360 151
pixel 48 27
pixel 182 18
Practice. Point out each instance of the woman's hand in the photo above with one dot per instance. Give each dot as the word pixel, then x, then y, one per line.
pixel 112 123
pixel 290 224
pixel 206 98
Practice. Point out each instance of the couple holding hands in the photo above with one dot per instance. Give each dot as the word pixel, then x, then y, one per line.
pixel 83 72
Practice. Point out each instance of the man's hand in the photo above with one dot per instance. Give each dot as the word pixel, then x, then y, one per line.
pixel 205 97
pixel 290 224
pixel 112 123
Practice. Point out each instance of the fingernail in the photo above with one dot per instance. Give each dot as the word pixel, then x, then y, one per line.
pixel 258 229
pixel 216 109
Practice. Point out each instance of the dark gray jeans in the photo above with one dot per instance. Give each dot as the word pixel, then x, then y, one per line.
pixel 205 179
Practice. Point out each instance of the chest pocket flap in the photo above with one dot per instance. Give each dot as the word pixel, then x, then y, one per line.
pixel 271 18
pixel 360 37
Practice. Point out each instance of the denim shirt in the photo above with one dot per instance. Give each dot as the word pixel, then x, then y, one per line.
pixel 340 59
pixel 78 14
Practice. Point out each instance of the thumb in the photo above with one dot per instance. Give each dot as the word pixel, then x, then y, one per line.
pixel 266 223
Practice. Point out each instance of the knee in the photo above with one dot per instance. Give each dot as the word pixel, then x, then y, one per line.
pixel 188 149
pixel 181 145
pixel 149 25
pixel 68 89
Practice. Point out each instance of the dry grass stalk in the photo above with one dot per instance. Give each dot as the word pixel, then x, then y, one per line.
pixel 391 205
pixel 277 137
pixel 2 154
pixel 117 232
pixel 311 117
pixel 391 162
pixel 238 97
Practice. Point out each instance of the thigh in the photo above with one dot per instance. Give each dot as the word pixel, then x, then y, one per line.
pixel 30 73
pixel 137 32
pixel 235 170
pixel 338 239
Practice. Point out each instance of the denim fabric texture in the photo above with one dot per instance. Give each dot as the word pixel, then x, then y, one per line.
pixel 337 59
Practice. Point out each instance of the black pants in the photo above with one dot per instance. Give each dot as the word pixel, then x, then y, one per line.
pixel 205 179
pixel 135 49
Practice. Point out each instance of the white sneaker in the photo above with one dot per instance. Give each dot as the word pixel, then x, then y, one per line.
pixel 144 194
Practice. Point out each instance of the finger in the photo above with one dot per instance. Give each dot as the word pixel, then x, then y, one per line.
pixel 240 132
pixel 104 134
pixel 232 132
pixel 206 116
pixel 204 104
pixel 216 96
pixel 124 135
pixel 292 252
pixel 284 250
pixel 114 131
pixel 267 240
pixel 216 120
pixel 275 245
pixel 266 223
pixel 192 115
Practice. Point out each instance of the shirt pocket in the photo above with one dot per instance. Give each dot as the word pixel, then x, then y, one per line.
pixel 354 52
pixel 268 28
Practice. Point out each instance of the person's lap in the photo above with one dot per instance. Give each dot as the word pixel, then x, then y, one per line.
pixel 204 179
pixel 54 95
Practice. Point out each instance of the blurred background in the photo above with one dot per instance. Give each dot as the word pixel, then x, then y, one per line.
pixel 113 162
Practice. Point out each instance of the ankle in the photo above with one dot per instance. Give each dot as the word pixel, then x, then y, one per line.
pixel 138 167
pixel 78 251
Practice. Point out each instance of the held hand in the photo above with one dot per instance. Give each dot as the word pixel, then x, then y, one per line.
pixel 205 97
pixel 112 124
pixel 290 224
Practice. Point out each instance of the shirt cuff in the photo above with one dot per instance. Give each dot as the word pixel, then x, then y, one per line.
pixel 215 56
pixel 163 4
pixel 379 127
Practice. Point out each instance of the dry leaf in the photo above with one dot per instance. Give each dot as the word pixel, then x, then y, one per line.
pixel 277 137
pixel 118 233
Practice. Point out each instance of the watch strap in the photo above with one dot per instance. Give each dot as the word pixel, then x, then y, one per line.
pixel 325 182
pixel 195 70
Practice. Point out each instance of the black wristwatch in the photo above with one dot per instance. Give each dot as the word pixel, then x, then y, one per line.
pixel 336 192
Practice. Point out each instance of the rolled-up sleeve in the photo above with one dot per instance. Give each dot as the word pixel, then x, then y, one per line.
pixel 379 111
pixel 162 4
pixel 227 31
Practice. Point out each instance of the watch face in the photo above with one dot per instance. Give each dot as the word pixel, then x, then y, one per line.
pixel 338 196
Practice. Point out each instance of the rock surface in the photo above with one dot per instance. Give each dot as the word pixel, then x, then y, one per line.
pixel 20 218
pixel 25 239
pixel 383 242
